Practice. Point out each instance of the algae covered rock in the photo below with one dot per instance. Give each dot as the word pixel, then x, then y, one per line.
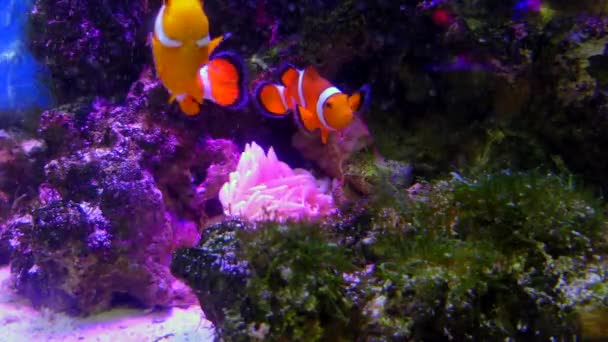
pixel 118 189
pixel 494 257
pixel 81 41
pixel 491 258
pixel 214 270
pixel 269 281
pixel 20 174
pixel 99 232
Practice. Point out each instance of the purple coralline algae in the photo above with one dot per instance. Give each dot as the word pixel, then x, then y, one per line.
pixel 120 191
pixel 19 167
pixel 81 41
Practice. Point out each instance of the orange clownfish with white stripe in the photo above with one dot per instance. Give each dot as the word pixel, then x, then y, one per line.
pixel 316 103
pixel 184 59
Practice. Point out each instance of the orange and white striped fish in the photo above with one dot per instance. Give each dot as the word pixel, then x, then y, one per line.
pixel 316 103
pixel 183 58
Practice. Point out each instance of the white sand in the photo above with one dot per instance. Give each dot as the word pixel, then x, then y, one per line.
pixel 20 322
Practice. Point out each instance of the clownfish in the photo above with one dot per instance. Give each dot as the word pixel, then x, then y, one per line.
pixel 184 59
pixel 315 102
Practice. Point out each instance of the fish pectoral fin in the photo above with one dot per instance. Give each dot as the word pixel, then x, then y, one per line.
pixel 307 118
pixel 354 101
pixel 324 135
pixel 214 43
pixel 189 106
pixel 196 91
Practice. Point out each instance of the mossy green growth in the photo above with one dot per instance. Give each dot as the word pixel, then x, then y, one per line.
pixel 502 256
pixel 491 259
pixel 296 290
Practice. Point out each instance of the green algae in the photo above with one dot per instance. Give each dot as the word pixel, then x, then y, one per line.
pixel 495 257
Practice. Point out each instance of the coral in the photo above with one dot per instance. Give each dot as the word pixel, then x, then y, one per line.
pixel 505 255
pixel 263 187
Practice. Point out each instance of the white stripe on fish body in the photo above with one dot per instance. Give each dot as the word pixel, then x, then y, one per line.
pixel 301 89
pixel 203 41
pixel 160 32
pixel 206 84
pixel 326 94
pixel 181 97
pixel 281 90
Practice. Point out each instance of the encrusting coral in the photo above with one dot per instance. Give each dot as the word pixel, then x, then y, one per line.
pixel 263 187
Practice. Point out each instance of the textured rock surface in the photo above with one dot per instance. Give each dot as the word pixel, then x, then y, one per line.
pixel 121 189
pixel 20 172
pixel 529 244
pixel 81 41
pixel 213 270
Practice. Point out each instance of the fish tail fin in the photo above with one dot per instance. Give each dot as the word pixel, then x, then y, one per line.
pixel 223 80
pixel 270 100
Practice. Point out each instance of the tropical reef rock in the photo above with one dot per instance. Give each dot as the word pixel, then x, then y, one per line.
pixel 502 256
pixel 265 188
pixel 81 41
pixel 332 158
pixel 20 166
pixel 120 190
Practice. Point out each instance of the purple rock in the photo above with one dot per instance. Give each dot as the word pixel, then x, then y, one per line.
pixel 85 40
pixel 120 191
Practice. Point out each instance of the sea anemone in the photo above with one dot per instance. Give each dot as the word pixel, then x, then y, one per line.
pixel 265 188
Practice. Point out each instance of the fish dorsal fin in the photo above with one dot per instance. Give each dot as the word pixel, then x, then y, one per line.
pixel 312 73
pixel 289 75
